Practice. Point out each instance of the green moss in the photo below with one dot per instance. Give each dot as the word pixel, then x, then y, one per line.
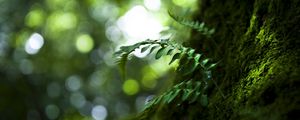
pixel 253 82
pixel 253 25
pixel 265 69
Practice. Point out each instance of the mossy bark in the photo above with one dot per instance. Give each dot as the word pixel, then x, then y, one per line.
pixel 258 43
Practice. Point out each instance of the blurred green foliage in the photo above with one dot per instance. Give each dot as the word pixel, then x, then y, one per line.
pixel 56 58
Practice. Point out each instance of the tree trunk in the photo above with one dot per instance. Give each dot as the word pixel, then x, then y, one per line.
pixel 258 45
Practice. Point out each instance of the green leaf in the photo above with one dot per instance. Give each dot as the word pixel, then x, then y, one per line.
pixel 174 95
pixel 186 94
pixel 198 85
pixel 211 31
pixel 178 85
pixel 184 61
pixel 128 48
pixel 176 56
pixel 212 66
pixel 195 96
pixel 170 51
pixel 189 84
pixel 191 52
pixel 136 45
pixel 193 24
pixel 197 23
pixel 157 100
pixel 150 103
pixel 201 25
pixel 204 100
pixel 118 53
pixel 165 40
pixel 122 64
pixel 167 97
pixel 197 57
pixel 205 61
pixel 153 48
pixel 205 30
pixel 145 48
pixel 183 49
pixel 160 52
pixel 192 65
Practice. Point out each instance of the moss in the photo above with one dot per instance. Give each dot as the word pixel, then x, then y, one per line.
pixel 266 66
pixel 253 24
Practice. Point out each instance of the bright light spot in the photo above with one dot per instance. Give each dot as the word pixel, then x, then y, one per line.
pixel 59 21
pixel 73 83
pixel 113 33
pixel 99 112
pixel 66 20
pixel 103 11
pixel 149 81
pixel 54 4
pixel 152 4
pixel 96 56
pixel 161 66
pixel 149 77
pixel 122 109
pixel 53 89
pixel 34 43
pixel 96 79
pixel 84 43
pixel 131 87
pixel 52 111
pixel 77 100
pixel 138 24
pixel 26 66
pixel 107 58
pixel 35 18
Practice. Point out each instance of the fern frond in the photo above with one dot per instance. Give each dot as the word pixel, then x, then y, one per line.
pixel 185 91
pixel 192 62
pixel 122 60
pixel 125 51
pixel 187 54
pixel 199 26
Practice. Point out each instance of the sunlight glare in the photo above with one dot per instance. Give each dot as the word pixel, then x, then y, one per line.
pixel 77 100
pixel 52 111
pixel 84 43
pixel 131 87
pixel 73 83
pixel 152 4
pixel 34 43
pixel 138 25
pixel 99 112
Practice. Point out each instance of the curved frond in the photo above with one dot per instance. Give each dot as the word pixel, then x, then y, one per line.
pixel 199 26
pixel 192 62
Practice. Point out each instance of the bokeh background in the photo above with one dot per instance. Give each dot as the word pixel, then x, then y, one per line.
pixel 56 57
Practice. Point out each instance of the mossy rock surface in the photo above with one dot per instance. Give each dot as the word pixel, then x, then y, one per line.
pixel 258 43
